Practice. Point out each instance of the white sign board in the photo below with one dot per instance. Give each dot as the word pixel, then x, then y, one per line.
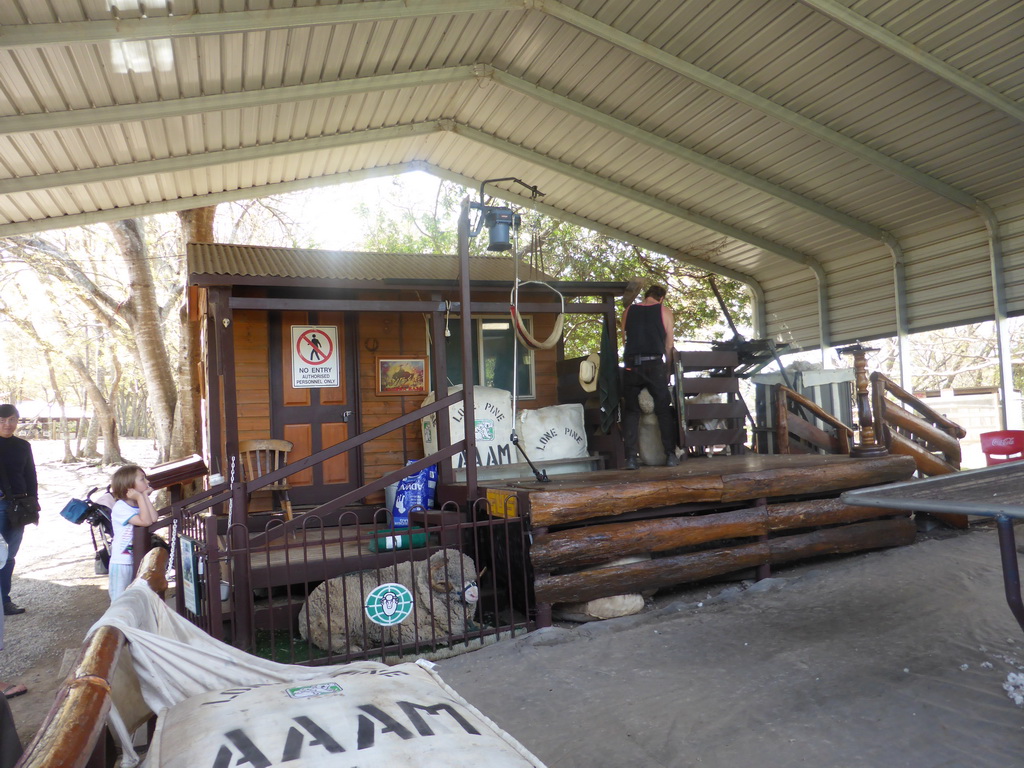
pixel 189 573
pixel 315 356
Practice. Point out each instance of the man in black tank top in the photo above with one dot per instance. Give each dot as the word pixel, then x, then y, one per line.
pixel 648 329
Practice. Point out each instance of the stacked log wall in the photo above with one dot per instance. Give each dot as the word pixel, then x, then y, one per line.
pixel 706 524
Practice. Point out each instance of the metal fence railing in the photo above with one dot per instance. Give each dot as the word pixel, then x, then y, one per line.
pixel 340 586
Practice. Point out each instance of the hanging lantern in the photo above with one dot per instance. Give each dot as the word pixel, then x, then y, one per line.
pixel 499 223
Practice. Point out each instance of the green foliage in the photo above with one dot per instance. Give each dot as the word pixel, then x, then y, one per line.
pixel 565 251
pixel 572 253
pixel 405 227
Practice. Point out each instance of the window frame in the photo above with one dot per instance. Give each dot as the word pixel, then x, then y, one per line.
pixel 480 361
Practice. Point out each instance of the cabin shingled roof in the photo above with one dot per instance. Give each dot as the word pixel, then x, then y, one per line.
pixel 297 263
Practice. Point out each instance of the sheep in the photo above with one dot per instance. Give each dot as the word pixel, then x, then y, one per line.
pixel 445 593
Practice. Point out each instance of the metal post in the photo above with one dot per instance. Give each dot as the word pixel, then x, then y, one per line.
pixel 467 352
pixel 1011 573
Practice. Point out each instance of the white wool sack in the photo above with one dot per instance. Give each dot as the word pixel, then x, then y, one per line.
pixel 555 432
pixel 365 714
pixel 492 418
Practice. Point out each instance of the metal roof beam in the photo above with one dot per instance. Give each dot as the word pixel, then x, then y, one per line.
pixel 384 10
pixel 191 25
pixel 767 106
pixel 656 203
pixel 687 155
pixel 426 78
pixel 191 162
pixel 180 163
pixel 191 105
pixel 199 201
pixel 893 42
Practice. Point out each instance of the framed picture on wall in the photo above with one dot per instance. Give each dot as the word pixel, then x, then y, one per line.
pixel 402 376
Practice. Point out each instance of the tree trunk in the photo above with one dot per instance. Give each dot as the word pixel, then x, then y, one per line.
pixel 162 394
pixel 59 397
pixel 104 418
pixel 197 224
pixel 196 227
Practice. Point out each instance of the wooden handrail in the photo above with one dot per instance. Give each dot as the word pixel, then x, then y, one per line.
pixel 783 395
pixel 881 384
pixel 75 723
pixel 922 432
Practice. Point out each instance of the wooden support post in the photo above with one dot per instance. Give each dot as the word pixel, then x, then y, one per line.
pixel 867 443
pixel 781 421
pixel 544 618
pixel 764 570
pixel 213 575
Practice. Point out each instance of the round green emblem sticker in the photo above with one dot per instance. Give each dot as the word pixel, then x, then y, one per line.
pixel 389 604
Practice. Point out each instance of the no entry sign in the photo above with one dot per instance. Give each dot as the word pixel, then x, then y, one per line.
pixel 315 356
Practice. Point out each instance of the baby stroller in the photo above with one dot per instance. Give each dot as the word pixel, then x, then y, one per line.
pixel 101 528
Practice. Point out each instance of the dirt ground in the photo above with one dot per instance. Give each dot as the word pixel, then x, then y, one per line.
pixel 886 659
pixel 54 581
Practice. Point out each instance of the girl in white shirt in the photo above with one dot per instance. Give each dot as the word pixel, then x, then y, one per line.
pixel 132 507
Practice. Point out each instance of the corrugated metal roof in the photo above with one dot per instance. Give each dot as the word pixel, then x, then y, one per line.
pixel 220 259
pixel 815 149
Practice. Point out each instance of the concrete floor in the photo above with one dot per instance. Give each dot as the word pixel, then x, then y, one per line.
pixel 886 659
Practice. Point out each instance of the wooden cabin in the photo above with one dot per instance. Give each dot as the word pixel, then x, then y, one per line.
pixel 339 354
pixel 387 326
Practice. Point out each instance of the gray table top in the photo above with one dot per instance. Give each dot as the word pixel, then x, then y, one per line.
pixel 992 491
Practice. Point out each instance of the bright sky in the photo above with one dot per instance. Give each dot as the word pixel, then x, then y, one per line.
pixel 331 212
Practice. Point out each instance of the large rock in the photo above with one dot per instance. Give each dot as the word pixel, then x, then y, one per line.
pixel 612 607
pixel 444 592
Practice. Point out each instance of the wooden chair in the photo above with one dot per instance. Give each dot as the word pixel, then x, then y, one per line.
pixel 1002 446
pixel 262 456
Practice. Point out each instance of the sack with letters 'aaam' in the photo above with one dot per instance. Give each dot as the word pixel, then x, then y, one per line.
pixel 362 714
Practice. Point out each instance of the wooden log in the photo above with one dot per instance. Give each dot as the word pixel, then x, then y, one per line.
pixel 78 716
pixel 77 719
pixel 816 479
pixel 668 571
pixel 730 479
pixel 935 439
pixel 927 462
pixel 602 543
pixel 566 506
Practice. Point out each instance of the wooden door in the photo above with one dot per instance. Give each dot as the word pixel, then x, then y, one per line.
pixel 315 417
